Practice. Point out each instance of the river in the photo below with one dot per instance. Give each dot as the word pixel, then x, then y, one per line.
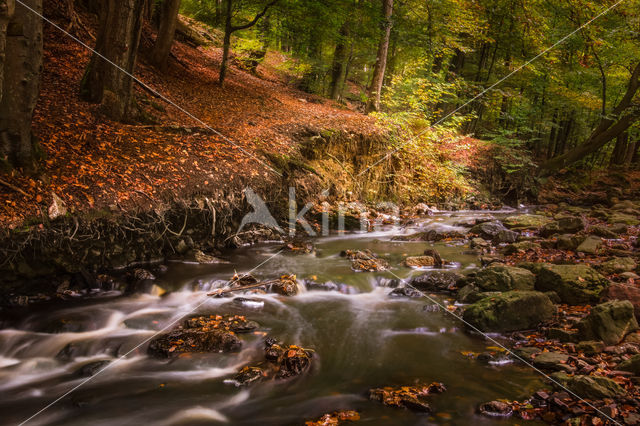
pixel 362 339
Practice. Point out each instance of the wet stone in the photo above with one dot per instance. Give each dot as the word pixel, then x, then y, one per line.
pixel 335 418
pixel 286 285
pixel 249 375
pixel 408 397
pixel 495 409
pixel 405 292
pixel 365 260
pixel 289 361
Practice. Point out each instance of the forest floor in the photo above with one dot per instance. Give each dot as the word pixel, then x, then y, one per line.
pixel 93 163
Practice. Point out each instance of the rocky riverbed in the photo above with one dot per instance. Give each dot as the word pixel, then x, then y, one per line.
pixel 517 315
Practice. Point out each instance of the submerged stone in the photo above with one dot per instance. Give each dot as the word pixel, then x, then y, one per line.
pixel 335 418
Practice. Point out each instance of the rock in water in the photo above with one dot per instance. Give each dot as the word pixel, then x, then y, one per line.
pixel 335 418
pixel 419 261
pixel 213 333
pixel 609 322
pixel 436 281
pixel 498 277
pixel 575 284
pixel 365 260
pixel 495 409
pixel 510 311
pixel 193 340
pixel 289 361
pixel 488 230
pixel 287 285
pixel 248 375
pixel 521 222
pixel 409 397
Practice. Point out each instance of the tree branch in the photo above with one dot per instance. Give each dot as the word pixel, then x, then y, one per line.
pixel 255 20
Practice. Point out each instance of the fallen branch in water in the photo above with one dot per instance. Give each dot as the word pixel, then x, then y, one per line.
pixel 246 287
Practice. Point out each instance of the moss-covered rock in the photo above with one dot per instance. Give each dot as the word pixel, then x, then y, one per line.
pixel 632 365
pixel 564 225
pixel 594 387
pixel 526 221
pixel 510 311
pixel 500 277
pixel 590 245
pixel 609 322
pixel 617 265
pixel 575 284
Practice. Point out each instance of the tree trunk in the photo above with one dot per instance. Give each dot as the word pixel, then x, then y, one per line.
pixel 619 153
pixel 229 29
pixel 166 30
pixel 610 126
pixel 339 61
pixel 375 89
pixel 107 81
pixel 226 43
pixel 21 31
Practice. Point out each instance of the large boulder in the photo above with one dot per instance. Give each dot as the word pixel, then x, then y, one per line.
pixel 436 281
pixel 510 311
pixel 564 225
pixel 522 222
pixel 568 242
pixel 575 284
pixel 498 277
pixel 627 292
pixel 609 322
pixel 624 218
pixel 595 387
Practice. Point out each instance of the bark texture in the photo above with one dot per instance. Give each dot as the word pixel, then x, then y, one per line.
pixel 166 31
pixel 118 39
pixel 381 60
pixel 20 68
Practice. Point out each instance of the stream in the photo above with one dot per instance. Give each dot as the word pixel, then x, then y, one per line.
pixel 362 339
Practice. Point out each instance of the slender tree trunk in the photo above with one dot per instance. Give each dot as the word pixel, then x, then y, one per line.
pixel 619 153
pixel 229 29
pixel 226 42
pixel 7 9
pixel 21 34
pixel 339 61
pixel 166 31
pixel 118 40
pixel 375 89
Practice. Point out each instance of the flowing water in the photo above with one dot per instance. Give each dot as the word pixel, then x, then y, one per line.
pixel 362 338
